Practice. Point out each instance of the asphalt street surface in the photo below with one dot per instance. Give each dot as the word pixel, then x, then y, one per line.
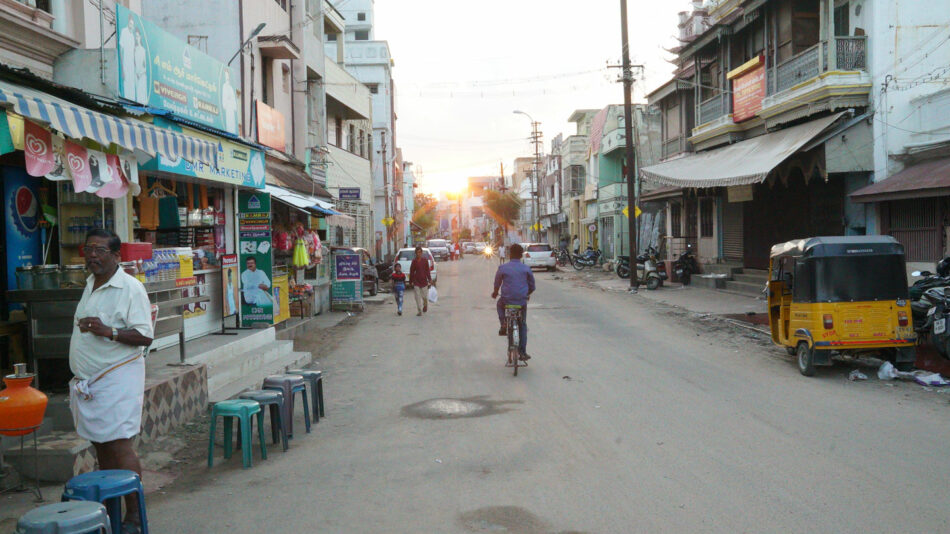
pixel 629 418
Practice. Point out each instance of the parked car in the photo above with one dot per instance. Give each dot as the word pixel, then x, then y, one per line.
pixel 539 255
pixel 439 249
pixel 468 247
pixel 480 247
pixel 370 274
pixel 406 255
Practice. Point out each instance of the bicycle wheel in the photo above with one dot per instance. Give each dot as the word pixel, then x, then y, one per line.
pixel 513 353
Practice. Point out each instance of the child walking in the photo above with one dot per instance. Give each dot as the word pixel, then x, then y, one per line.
pixel 399 286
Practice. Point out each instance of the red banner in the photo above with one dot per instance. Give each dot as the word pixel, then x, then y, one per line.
pixel 38 146
pixel 270 127
pixel 78 161
pixel 748 90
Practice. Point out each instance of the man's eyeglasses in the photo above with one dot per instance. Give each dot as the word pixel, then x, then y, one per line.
pixel 98 251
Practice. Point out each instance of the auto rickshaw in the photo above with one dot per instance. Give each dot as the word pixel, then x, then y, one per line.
pixel 845 295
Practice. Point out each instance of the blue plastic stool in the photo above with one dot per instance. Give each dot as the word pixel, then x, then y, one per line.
pixel 315 378
pixel 290 385
pixel 73 517
pixel 243 410
pixel 275 401
pixel 108 487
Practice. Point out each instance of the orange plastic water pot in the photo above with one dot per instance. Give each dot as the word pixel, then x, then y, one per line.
pixel 21 407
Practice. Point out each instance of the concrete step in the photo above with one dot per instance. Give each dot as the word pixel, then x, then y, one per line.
pixel 61 456
pixel 746 288
pixel 225 371
pixel 711 282
pixel 228 351
pixel 750 278
pixel 721 268
pixel 251 376
pixel 764 273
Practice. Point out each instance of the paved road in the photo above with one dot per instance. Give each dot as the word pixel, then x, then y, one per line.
pixel 662 426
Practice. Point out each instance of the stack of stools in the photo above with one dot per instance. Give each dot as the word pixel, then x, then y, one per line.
pixel 108 487
pixel 66 518
pixel 289 385
pixel 274 400
pixel 243 410
pixel 315 378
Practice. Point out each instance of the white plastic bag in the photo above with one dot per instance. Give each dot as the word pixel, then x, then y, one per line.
pixel 433 295
pixel 887 371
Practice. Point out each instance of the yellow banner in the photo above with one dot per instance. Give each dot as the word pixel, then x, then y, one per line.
pixel 281 298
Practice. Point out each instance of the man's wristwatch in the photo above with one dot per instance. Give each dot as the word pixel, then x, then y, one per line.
pixel 115 334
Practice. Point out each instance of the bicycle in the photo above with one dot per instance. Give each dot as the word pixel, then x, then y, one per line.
pixel 514 318
pixel 563 257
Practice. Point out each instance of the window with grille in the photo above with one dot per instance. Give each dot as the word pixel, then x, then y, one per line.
pixel 361 16
pixel 361 35
pixel 706 217
pixel 331 37
pixel 676 219
pixel 918 225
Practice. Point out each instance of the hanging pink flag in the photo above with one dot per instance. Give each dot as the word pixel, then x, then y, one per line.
pixel 38 146
pixel 98 169
pixel 78 161
pixel 118 186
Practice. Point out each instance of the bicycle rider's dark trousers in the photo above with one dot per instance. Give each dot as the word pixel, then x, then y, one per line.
pixel 522 327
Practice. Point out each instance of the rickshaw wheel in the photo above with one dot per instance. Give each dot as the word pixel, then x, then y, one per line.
pixel 806 359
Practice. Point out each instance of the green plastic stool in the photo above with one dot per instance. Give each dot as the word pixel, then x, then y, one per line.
pixel 243 410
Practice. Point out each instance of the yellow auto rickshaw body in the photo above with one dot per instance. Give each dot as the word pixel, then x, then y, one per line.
pixel 842 293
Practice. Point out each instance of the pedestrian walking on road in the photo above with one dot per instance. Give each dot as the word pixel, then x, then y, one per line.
pixel 399 286
pixel 106 354
pixel 420 276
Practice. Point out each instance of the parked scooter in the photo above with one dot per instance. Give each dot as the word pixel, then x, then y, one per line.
pixel 650 270
pixel 930 305
pixel 589 258
pixel 685 265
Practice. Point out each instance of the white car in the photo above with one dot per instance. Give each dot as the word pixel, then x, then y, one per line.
pixel 405 257
pixel 480 247
pixel 539 255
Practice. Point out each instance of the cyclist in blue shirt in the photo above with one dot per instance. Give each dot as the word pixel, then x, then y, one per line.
pixel 516 283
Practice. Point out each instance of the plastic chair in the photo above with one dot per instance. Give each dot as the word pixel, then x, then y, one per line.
pixel 108 487
pixel 315 378
pixel 290 385
pixel 275 401
pixel 72 517
pixel 243 410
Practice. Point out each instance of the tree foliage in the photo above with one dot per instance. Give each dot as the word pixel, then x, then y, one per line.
pixel 503 207
pixel 424 214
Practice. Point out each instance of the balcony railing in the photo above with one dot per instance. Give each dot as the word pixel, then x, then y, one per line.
pixel 711 109
pixel 850 54
pixel 674 146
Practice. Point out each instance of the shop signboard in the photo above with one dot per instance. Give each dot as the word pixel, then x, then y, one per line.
pixel 346 291
pixel 229 283
pixel 237 164
pixel 22 213
pixel 748 89
pixel 270 127
pixel 349 193
pixel 254 237
pixel 160 70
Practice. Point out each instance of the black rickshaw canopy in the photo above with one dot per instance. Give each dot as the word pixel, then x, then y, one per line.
pixel 831 246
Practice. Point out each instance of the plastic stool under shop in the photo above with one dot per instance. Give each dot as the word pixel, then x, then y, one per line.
pixel 315 378
pixel 71 517
pixel 243 410
pixel 108 487
pixel 274 400
pixel 290 385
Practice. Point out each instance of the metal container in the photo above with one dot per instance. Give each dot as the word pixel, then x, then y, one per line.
pixel 46 277
pixel 73 276
pixel 24 277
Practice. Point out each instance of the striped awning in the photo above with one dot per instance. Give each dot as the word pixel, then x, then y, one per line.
pixel 79 122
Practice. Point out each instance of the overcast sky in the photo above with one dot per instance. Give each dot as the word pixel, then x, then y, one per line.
pixel 461 68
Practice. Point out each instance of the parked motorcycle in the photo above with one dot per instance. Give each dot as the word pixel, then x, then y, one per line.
pixel 649 269
pixel 685 265
pixel 930 305
pixel 589 258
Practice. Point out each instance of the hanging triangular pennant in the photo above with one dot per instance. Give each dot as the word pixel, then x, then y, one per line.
pixel 129 167
pixel 60 170
pixel 6 139
pixel 78 161
pixel 98 169
pixel 116 187
pixel 37 146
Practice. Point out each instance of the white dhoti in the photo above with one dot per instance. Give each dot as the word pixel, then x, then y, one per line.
pixel 108 405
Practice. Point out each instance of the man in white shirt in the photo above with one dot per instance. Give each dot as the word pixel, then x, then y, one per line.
pixel 106 354
pixel 256 285
pixel 127 59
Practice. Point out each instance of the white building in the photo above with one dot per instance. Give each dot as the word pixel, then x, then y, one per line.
pixel 369 60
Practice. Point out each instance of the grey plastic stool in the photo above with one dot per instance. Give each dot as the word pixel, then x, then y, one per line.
pixel 70 517
pixel 315 378
pixel 275 400
pixel 290 385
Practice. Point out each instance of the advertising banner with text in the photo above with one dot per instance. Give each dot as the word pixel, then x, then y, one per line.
pixel 254 236
pixel 748 90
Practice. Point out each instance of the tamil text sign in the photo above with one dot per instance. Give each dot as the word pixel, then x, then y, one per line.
pixel 160 70
pixel 748 89
pixel 270 127
pixel 349 193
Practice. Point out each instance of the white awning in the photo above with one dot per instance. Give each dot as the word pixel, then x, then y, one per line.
pixel 292 198
pixel 744 163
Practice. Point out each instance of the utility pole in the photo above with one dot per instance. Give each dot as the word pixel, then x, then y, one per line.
pixel 385 164
pixel 536 139
pixel 633 192
pixel 504 189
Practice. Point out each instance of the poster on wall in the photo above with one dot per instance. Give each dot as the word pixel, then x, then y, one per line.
pixel 281 298
pixel 160 70
pixel 270 127
pixel 229 282
pixel 748 89
pixel 254 247
pixel 21 209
